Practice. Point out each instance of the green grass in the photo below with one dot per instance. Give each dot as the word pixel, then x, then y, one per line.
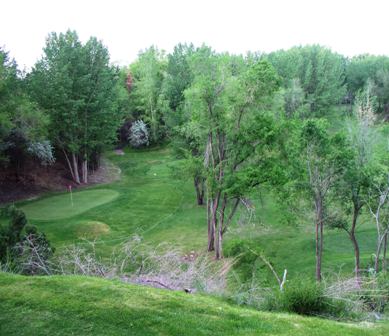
pixel 70 305
pixel 146 201
pixel 68 205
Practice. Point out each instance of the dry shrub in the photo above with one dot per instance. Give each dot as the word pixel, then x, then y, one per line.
pixel 164 266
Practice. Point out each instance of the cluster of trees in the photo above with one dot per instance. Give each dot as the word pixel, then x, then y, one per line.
pixel 73 102
pixel 23 125
pixel 267 119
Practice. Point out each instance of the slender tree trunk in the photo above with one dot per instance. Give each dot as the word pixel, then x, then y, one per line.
pixel 220 229
pixel 199 186
pixel 211 232
pixel 85 171
pixel 69 165
pixel 381 240
pixel 377 258
pixel 75 169
pixel 213 218
pixel 354 241
pixel 319 237
pixel 384 254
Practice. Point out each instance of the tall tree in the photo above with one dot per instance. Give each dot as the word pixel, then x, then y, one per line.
pixel 361 169
pixel 78 88
pixel 147 77
pixel 321 160
pixel 228 103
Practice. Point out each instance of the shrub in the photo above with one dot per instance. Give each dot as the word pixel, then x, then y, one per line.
pixel 304 297
pixel 43 151
pixel 139 135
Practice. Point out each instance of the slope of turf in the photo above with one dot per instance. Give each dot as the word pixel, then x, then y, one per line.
pixel 69 305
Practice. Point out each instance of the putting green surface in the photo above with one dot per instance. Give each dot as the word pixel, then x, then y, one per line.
pixel 62 206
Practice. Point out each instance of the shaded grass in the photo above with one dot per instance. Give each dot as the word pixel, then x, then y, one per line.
pixel 66 305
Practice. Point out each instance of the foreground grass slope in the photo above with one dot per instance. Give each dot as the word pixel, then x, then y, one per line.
pixel 69 305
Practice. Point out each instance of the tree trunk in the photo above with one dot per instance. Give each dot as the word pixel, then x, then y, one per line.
pixel 213 220
pixel 75 169
pixel 354 241
pixel 319 237
pixel 84 171
pixel 381 241
pixel 211 232
pixel 199 186
pixel 384 254
pixel 219 244
pixel 69 165
pixel 220 229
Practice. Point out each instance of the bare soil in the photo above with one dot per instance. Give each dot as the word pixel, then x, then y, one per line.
pixel 36 180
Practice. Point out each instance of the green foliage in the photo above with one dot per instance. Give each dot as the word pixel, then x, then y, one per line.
pixel 79 90
pixel 365 70
pixel 178 76
pixel 319 71
pixel 22 123
pixel 11 233
pixel 304 297
pixel 146 96
pixel 294 100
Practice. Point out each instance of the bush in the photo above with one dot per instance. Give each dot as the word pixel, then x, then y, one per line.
pixel 241 250
pixel 43 151
pixel 305 298
pixel 139 135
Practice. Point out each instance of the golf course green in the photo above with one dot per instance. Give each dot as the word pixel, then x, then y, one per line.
pixel 68 205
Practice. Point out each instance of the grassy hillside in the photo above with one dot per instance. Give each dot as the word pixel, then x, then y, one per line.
pixel 150 202
pixel 64 305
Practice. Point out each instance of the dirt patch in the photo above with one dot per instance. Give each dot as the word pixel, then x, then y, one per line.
pixel 119 151
pixel 106 173
pixel 34 181
pixel 37 180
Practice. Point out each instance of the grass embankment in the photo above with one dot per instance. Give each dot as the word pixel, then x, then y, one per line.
pixel 70 305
